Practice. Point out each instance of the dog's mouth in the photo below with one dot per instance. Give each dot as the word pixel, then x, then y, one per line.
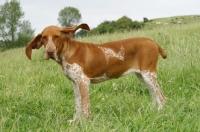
pixel 52 57
pixel 49 56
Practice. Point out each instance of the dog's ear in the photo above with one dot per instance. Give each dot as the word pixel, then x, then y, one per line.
pixel 69 31
pixel 35 43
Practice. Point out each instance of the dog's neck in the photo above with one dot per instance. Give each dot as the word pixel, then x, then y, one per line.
pixel 66 50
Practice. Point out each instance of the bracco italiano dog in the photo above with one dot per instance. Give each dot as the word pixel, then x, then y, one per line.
pixel 84 63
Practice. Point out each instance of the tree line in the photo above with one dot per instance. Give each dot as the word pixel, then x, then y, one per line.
pixel 122 24
pixel 16 32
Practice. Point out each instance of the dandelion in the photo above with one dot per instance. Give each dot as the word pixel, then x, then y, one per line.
pixel 192 103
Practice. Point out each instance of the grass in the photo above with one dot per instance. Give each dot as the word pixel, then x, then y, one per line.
pixel 35 96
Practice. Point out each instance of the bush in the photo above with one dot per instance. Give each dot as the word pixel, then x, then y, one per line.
pixel 122 24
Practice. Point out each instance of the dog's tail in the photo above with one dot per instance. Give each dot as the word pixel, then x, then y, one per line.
pixel 162 52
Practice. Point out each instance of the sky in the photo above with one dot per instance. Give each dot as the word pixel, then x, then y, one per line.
pixel 42 13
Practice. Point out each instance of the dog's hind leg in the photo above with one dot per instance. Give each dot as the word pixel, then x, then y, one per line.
pixel 150 80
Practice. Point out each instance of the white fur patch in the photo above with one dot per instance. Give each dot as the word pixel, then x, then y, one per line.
pixel 77 101
pixel 99 79
pixel 130 71
pixel 104 77
pixel 150 79
pixel 50 46
pixel 109 53
pixel 50 43
pixel 75 73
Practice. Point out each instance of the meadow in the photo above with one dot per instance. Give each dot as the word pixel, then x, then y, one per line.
pixel 35 96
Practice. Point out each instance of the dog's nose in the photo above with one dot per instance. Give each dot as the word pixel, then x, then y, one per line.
pixel 50 52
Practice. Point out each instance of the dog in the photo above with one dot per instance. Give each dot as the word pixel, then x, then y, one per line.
pixel 84 63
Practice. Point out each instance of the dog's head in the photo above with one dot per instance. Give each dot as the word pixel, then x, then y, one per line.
pixel 51 38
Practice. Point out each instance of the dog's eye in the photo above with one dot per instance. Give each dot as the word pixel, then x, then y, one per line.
pixel 44 38
pixel 56 37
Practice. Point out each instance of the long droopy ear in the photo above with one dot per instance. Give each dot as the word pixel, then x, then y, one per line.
pixel 69 31
pixel 35 43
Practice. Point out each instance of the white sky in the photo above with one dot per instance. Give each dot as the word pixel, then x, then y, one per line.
pixel 42 13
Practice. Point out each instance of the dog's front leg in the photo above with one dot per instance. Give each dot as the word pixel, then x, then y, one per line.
pixel 85 99
pixel 82 100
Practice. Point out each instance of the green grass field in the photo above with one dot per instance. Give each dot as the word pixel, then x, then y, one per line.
pixel 36 96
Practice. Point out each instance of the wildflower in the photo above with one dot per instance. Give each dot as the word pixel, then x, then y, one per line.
pixel 20 93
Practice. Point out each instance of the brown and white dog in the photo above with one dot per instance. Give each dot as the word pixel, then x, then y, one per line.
pixel 85 63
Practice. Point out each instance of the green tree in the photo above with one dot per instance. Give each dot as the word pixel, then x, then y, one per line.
pixel 25 34
pixel 124 23
pixel 137 25
pixel 104 27
pixel 13 31
pixel 26 29
pixel 145 20
pixel 69 16
pixel 10 16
